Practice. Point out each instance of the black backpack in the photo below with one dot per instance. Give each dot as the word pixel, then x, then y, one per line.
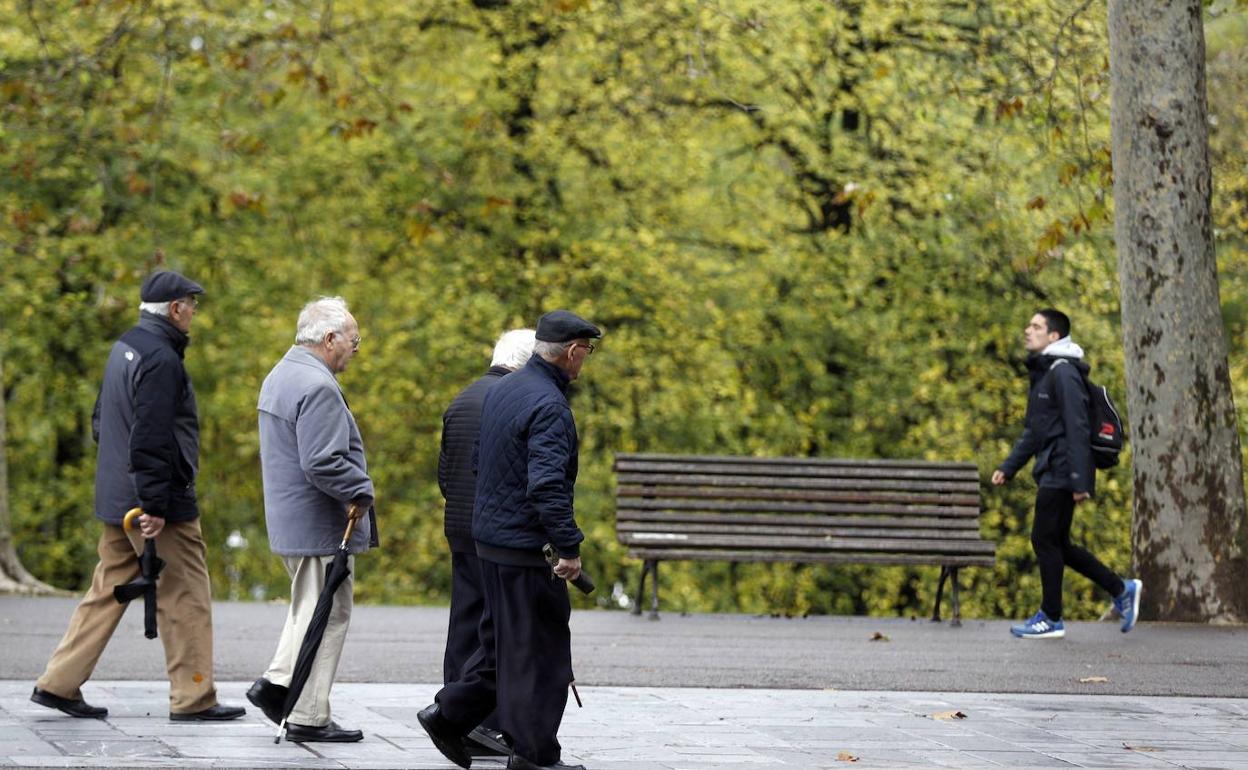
pixel 1105 424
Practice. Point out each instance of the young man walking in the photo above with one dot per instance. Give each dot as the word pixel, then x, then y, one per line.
pixel 1056 433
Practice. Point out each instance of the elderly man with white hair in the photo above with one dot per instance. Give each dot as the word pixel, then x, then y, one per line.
pixel 312 460
pixel 457 478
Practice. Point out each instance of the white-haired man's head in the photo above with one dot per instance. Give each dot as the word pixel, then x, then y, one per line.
pixel 514 348
pixel 329 330
pixel 320 317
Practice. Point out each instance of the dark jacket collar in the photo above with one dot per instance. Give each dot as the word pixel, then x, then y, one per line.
pixel 499 371
pixel 1039 365
pixel 559 376
pixel 163 327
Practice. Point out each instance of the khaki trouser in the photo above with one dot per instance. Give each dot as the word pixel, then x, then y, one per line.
pixel 183 616
pixel 307 578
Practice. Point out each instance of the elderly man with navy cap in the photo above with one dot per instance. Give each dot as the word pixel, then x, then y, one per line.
pixel 147 427
pixel 526 469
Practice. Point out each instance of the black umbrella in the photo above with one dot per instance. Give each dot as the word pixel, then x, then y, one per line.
pixel 144 585
pixel 335 573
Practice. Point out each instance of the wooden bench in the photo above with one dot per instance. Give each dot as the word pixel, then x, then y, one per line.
pixel 742 509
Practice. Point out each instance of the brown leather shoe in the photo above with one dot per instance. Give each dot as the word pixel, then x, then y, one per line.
pixel 75 707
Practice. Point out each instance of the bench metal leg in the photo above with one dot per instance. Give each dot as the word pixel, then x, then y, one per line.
pixel 641 589
pixel 940 592
pixel 957 605
pixel 654 589
pixel 950 573
pixel 651 566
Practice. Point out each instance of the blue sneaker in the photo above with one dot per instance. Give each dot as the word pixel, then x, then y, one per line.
pixel 1128 605
pixel 1039 627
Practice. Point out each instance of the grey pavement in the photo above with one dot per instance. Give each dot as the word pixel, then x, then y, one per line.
pixel 631 728
pixel 695 691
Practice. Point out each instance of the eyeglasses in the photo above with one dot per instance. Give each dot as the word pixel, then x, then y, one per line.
pixel 588 346
pixel 190 300
pixel 355 341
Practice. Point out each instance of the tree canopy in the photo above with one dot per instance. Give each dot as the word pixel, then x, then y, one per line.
pixel 806 228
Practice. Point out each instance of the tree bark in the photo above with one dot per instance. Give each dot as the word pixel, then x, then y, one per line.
pixel 1190 526
pixel 14 579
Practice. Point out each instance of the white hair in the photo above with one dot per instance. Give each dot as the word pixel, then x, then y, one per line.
pixel 156 308
pixel 320 317
pixel 551 350
pixel 514 348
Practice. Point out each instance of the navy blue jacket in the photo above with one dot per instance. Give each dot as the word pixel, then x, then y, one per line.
pixel 1057 410
pixel 147 426
pixel 456 477
pixel 527 463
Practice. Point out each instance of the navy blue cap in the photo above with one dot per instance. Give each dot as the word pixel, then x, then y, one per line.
pixel 166 286
pixel 562 326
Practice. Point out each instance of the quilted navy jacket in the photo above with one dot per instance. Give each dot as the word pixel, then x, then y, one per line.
pixel 527 463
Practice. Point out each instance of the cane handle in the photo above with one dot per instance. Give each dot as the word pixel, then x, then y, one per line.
pixel 128 519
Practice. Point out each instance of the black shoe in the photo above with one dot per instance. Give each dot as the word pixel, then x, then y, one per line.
pixel 269 698
pixel 217 713
pixel 518 762
pixel 330 733
pixel 487 742
pixel 75 707
pixel 443 735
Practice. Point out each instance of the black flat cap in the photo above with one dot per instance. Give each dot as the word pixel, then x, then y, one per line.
pixel 166 286
pixel 562 326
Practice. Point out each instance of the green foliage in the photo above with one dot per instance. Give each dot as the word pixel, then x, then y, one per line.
pixel 807 228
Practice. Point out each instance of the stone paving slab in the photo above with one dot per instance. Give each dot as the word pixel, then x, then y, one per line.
pixel 631 728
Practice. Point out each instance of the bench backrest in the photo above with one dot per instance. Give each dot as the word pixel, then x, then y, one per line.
pixel 799 510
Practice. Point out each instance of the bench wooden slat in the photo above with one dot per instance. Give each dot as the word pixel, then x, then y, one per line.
pixel 913 498
pixel 788 543
pixel 811 557
pixel 814 533
pixel 655 518
pixel 824 461
pixel 786 482
pixel 804 470
pixel 629 503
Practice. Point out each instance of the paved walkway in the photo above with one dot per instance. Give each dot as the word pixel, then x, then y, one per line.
pixel 631 728
pixel 685 693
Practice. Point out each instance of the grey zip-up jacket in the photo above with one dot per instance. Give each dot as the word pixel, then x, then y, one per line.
pixel 312 460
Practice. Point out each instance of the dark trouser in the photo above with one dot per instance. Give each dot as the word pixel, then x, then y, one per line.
pixel 467 607
pixel 1050 539
pixel 524 664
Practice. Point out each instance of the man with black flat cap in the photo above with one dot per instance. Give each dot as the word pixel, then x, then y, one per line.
pixel 526 469
pixel 147 427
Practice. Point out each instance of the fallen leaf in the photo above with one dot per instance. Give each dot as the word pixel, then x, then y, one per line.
pixel 1094 680
pixel 878 637
pixel 948 715
pixel 845 756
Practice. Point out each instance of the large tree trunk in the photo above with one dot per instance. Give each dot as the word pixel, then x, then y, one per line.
pixel 13 576
pixel 1190 533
